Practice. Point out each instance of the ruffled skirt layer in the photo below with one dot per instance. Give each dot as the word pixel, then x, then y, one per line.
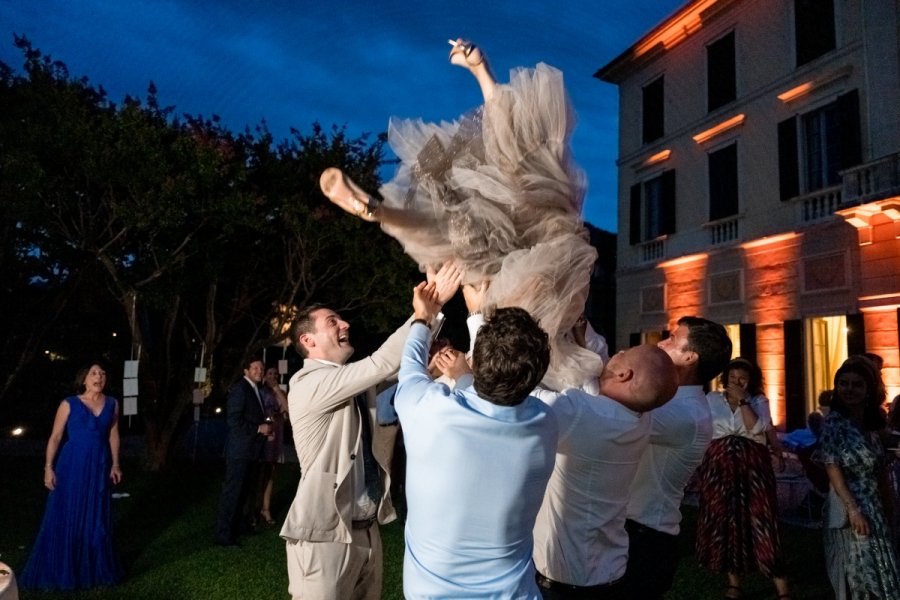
pixel 498 192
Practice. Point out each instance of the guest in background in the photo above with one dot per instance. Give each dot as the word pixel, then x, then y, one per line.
pixel 806 450
pixel 824 401
pixel 858 549
pixel 247 432
pixel 807 436
pixel 74 548
pixel 737 529
pixel 275 406
pixel 893 444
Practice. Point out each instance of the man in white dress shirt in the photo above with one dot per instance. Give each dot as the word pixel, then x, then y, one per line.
pixel 580 544
pixel 680 431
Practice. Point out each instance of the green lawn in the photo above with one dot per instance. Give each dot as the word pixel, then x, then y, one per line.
pixel 164 535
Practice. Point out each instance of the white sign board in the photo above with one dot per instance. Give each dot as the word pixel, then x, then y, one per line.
pixel 199 375
pixel 131 369
pixel 130 387
pixel 129 406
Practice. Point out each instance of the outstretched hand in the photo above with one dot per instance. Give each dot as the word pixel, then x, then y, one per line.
pixel 452 363
pixel 474 295
pixel 425 301
pixel 446 280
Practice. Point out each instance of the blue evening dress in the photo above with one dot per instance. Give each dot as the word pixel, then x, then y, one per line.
pixel 74 548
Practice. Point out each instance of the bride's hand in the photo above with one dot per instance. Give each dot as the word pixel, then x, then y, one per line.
pixel 465 54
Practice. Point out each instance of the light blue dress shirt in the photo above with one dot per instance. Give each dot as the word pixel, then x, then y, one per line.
pixel 475 477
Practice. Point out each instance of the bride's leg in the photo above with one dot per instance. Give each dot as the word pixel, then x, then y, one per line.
pixel 343 192
pixel 468 55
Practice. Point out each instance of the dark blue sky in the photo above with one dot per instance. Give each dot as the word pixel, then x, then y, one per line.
pixel 293 62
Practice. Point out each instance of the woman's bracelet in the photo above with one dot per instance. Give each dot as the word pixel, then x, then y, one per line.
pixel 743 403
pixel 115 466
pixel 48 467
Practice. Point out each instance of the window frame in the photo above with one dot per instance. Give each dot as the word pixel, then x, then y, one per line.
pixel 723 187
pixel 653 110
pixel 721 72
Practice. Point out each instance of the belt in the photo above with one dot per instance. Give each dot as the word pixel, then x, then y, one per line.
pixel 557 586
pixel 364 523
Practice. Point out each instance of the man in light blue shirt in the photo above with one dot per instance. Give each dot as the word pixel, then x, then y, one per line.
pixel 479 459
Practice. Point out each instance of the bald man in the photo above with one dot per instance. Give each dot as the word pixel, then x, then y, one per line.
pixel 580 543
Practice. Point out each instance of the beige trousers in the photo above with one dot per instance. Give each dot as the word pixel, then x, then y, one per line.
pixel 336 571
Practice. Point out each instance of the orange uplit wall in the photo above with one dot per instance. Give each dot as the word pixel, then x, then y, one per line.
pixel 678 28
pixel 878 227
pixel 770 358
pixel 881 338
pixel 771 297
pixel 685 286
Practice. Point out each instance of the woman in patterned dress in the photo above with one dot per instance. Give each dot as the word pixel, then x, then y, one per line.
pixel 737 530
pixel 859 554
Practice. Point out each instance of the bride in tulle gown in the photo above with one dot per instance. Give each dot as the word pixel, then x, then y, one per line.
pixel 498 192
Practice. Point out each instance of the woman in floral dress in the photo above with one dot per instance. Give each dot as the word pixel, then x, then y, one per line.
pixel 859 553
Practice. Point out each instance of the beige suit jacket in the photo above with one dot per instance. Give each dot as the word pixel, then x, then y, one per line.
pixel 327 436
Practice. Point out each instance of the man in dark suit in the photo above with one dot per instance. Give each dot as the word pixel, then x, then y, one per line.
pixel 247 431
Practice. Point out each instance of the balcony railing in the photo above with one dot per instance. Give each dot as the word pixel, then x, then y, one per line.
pixel 869 182
pixel 820 204
pixel 653 251
pixel 872 181
pixel 723 230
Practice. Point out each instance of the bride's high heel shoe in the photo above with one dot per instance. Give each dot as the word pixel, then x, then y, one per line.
pixel 342 191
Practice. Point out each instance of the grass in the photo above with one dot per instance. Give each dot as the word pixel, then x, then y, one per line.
pixel 164 536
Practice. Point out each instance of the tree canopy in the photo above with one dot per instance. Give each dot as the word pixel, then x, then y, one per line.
pixel 172 233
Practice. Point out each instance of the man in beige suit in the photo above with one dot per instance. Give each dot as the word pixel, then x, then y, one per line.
pixel 333 543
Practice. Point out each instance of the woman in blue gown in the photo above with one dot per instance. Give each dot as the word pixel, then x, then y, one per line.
pixel 74 547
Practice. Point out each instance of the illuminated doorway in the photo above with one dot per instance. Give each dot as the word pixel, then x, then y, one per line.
pixel 653 337
pixel 826 350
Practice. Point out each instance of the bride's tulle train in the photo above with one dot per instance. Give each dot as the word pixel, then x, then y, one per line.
pixel 498 192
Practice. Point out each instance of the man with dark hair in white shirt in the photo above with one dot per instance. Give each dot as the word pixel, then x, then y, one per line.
pixel 680 431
